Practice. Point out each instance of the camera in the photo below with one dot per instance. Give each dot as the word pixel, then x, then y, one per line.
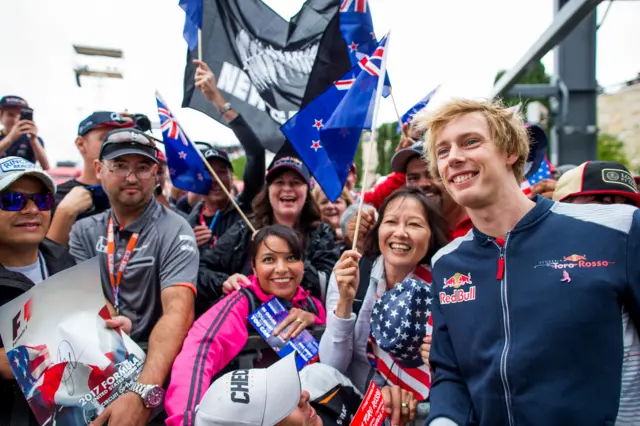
pixel 141 122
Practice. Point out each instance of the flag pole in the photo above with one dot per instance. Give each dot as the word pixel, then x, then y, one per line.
pixel 199 44
pixel 224 188
pixel 374 122
pixel 395 107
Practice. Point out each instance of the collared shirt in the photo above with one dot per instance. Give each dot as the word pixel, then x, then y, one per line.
pixel 165 255
pixel 461 228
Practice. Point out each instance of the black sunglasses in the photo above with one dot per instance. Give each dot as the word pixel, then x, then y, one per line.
pixel 16 201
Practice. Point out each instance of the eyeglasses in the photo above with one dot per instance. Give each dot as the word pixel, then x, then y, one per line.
pixel 144 171
pixel 16 201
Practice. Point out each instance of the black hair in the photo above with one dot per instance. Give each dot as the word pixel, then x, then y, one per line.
pixel 434 219
pixel 292 237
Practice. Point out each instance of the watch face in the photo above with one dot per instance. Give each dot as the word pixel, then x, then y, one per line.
pixel 154 397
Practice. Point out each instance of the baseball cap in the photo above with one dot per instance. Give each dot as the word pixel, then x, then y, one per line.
pixel 216 154
pixel 255 397
pixel 288 163
pixel 399 321
pixel 13 168
pixel 120 142
pixel 401 158
pixel 12 101
pixel 103 119
pixel 597 178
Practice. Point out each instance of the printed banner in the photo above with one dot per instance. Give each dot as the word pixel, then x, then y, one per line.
pixel 267 317
pixel 371 411
pixel 68 364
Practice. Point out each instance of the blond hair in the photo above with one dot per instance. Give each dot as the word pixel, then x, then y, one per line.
pixel 317 192
pixel 506 126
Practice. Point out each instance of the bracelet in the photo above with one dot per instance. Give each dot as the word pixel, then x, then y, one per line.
pixel 226 107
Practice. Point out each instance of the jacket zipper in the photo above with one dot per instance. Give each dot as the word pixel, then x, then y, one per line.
pixel 502 276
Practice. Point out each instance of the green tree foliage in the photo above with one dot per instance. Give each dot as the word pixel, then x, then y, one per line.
pixel 238 167
pixel 387 140
pixel 536 74
pixel 611 148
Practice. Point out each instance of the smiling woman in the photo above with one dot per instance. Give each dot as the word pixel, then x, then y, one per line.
pixel 409 231
pixel 286 200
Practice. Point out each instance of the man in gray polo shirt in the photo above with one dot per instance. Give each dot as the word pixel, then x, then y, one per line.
pixel 149 264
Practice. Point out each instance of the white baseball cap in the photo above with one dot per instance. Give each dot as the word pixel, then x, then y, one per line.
pixel 256 397
pixel 13 168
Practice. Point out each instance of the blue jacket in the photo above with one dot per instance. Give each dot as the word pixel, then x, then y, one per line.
pixel 530 333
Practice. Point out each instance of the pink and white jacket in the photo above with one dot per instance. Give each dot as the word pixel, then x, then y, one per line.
pixel 214 340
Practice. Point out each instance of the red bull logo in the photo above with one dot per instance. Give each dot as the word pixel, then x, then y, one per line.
pixel 458 296
pixel 575 258
pixel 457 280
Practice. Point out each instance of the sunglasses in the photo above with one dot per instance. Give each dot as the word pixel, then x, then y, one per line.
pixel 16 201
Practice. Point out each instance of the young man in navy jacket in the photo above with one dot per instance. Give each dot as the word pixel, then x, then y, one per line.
pixel 528 306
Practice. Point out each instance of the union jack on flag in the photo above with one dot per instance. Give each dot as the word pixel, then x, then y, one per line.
pixel 186 164
pixel 169 124
pixel 371 64
pixel 359 6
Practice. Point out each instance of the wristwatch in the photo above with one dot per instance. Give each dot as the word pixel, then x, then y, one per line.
pixel 226 107
pixel 152 395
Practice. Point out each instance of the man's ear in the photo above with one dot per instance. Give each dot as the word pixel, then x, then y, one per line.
pixel 512 158
pixel 97 166
pixel 80 144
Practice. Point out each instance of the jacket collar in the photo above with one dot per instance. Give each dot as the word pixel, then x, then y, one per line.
pixel 148 215
pixel 538 213
pixel 301 293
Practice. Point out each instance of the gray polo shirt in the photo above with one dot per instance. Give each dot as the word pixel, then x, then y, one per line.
pixel 165 255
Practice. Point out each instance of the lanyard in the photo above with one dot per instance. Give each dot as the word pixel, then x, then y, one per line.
pixel 43 267
pixel 111 248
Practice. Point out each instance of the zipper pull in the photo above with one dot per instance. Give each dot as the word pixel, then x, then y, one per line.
pixel 500 267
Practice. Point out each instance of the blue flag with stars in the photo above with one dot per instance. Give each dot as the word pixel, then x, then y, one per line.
pixel 356 27
pixel 186 165
pixel 326 132
pixel 408 116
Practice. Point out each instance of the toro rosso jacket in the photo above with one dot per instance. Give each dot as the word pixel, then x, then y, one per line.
pixel 534 330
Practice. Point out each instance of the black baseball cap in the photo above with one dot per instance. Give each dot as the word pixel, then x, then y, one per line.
pixel 12 101
pixel 283 164
pixel 597 178
pixel 120 142
pixel 217 154
pixel 107 119
pixel 401 158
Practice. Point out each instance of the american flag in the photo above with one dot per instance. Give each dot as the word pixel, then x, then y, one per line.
pixel 400 320
pixel 543 172
pixel 28 364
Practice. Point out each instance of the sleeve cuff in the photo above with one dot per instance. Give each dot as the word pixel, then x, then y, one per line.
pixel 340 327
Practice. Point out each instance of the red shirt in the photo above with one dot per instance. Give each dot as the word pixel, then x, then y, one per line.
pixel 461 228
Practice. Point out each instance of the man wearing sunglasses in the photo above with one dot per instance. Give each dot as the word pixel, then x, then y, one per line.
pixel 26 257
pixel 148 265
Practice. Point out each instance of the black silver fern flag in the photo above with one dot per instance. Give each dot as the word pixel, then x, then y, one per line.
pixel 262 62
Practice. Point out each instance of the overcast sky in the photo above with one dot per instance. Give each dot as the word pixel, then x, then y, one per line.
pixel 458 43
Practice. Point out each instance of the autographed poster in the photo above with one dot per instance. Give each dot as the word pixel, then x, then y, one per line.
pixel 267 317
pixel 68 364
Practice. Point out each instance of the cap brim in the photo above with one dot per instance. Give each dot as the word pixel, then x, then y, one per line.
pixel 41 176
pixel 285 167
pixel 401 158
pixel 128 151
pixel 635 197
pixel 283 390
pixel 224 160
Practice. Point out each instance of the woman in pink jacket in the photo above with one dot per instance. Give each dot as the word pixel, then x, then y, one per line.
pixel 277 259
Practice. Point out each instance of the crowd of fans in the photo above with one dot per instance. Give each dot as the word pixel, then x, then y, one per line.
pixel 181 273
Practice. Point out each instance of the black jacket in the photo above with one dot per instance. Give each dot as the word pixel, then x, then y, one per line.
pixel 14 409
pixel 253 178
pixel 231 255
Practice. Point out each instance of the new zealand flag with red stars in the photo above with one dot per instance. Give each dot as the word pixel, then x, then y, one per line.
pixel 326 132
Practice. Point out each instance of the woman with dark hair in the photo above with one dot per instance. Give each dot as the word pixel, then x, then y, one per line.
pixel 285 200
pixel 277 259
pixel 408 232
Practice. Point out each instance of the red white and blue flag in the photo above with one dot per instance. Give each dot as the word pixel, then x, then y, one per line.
pixel 186 165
